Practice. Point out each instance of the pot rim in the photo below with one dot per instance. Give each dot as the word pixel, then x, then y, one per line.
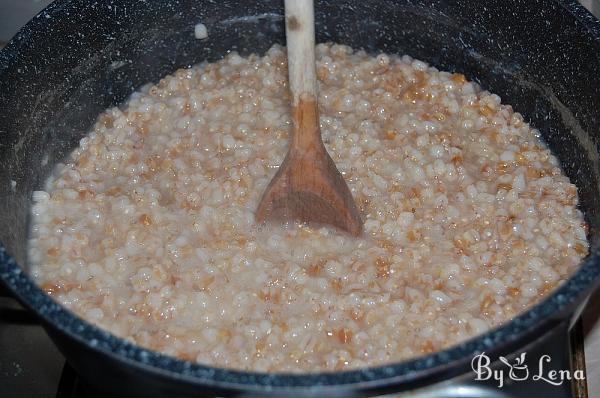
pixel 410 373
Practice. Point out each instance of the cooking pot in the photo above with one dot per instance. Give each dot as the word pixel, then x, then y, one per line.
pixel 78 57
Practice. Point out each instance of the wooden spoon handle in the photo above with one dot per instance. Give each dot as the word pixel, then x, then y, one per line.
pixel 300 34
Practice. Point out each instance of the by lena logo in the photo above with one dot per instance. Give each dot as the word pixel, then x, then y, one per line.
pixel 519 371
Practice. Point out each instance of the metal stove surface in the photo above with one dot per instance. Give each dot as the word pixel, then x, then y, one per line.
pixel 30 365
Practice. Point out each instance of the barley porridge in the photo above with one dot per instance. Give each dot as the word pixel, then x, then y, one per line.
pixel 148 229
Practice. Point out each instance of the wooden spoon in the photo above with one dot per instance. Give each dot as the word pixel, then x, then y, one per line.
pixel 307 186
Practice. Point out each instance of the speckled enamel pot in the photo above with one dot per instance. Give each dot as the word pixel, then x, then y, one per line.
pixel 78 57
